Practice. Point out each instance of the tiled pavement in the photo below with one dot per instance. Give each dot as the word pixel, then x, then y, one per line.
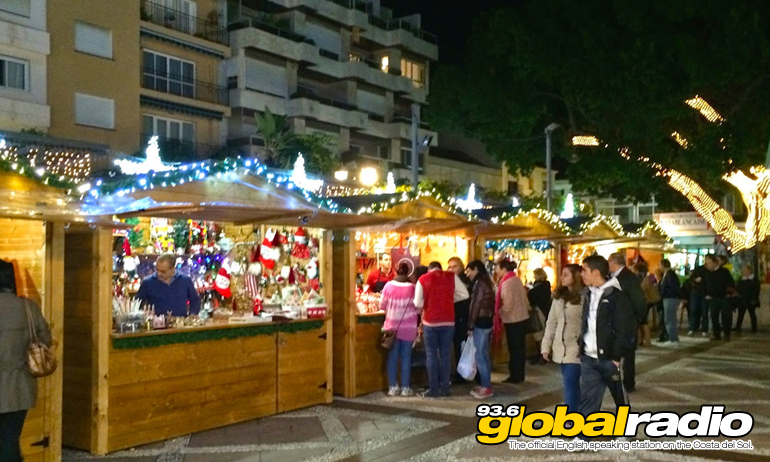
pixel 376 428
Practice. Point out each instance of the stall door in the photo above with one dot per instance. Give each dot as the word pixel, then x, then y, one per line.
pixel 302 369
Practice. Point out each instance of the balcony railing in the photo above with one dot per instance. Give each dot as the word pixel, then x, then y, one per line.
pixel 184 86
pixel 183 22
pixel 355 5
pixel 309 93
pixel 329 54
pixel 269 28
pixel 396 24
pixel 174 150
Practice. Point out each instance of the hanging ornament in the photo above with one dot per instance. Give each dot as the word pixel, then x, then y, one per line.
pixel 251 285
pixel 258 305
pixel 301 249
pixel 312 269
pixel 266 251
pixel 428 249
pixel 222 283
pixel 255 267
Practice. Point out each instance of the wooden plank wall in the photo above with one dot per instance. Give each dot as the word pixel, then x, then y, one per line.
pixel 370 365
pixel 24 243
pixel 302 369
pixel 78 325
pixel 343 300
pixel 168 391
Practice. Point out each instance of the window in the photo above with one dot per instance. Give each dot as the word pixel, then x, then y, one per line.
pixel 168 74
pixel 93 40
pixel 94 111
pixel 383 152
pixel 20 7
pixel 13 73
pixel 406 159
pixel 168 129
pixel 181 14
pixel 384 63
pixel 413 71
pixel 513 188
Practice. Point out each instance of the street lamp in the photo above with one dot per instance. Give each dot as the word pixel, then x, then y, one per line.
pixel 548 154
pixel 368 176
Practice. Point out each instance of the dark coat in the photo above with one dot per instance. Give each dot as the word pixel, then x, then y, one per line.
pixel 540 296
pixel 18 388
pixel 482 301
pixel 669 286
pixel 615 324
pixel 632 286
pixel 748 289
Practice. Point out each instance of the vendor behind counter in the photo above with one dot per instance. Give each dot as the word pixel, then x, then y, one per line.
pixel 167 290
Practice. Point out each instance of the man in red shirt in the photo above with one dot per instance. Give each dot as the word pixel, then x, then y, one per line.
pixel 382 275
pixel 435 294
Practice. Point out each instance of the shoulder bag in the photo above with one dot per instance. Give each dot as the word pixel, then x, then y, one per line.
pixel 388 337
pixel 41 361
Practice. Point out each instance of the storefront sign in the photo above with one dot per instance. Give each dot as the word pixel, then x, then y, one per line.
pixel 683 224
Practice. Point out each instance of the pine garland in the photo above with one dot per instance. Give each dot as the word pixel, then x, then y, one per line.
pixel 227 333
pixel 370 319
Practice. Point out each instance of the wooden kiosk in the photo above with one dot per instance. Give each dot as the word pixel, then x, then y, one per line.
pixel 34 218
pixel 148 386
pixel 433 232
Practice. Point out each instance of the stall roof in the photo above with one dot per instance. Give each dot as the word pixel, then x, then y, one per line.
pixel 240 200
pixel 592 229
pixel 23 198
pixel 422 215
pixel 529 225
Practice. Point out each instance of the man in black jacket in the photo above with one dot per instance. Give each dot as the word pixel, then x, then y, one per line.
pixel 632 286
pixel 699 313
pixel 609 333
pixel 719 285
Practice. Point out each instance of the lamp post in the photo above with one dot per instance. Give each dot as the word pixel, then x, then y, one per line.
pixel 548 169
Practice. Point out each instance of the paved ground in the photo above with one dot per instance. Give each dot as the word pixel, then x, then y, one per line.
pixel 376 428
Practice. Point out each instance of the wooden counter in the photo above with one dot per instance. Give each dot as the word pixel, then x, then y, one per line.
pixel 169 383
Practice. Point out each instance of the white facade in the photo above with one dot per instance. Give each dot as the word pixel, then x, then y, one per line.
pixel 24 50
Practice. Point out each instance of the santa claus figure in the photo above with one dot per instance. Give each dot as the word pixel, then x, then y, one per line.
pixel 301 249
pixel 268 252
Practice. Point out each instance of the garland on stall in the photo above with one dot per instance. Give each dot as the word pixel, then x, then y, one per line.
pixel 22 166
pixel 152 341
pixel 518 244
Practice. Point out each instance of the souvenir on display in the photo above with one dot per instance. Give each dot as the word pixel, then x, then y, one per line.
pixel 301 249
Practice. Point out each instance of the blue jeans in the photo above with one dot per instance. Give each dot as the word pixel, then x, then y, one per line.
pixel 402 349
pixel 670 306
pixel 483 361
pixel 438 352
pixel 11 424
pixel 699 315
pixel 570 374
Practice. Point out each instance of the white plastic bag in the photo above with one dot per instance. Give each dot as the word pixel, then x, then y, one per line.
pixel 466 367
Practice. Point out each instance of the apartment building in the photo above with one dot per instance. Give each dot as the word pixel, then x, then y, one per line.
pixel 24 50
pixel 121 72
pixel 345 68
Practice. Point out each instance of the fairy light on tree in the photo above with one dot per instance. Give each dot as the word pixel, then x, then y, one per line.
pixel 702 106
pixel 583 140
pixel 680 140
pixel 569 207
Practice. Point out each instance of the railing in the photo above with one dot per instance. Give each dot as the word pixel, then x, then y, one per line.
pixel 174 150
pixel 183 22
pixel 363 7
pixel 184 86
pixel 329 54
pixel 269 28
pixel 396 24
pixel 309 93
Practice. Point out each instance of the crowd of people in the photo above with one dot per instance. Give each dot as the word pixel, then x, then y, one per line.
pixel 596 318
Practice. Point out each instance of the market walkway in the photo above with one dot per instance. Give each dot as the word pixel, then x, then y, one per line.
pixel 376 428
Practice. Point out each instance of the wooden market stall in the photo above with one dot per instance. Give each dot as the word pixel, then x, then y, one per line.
pixel 34 218
pixel 152 385
pixel 421 230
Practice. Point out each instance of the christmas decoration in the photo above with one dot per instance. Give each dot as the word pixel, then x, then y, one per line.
pixel 255 267
pixel 569 208
pixel 469 203
pixel 266 252
pixel 222 283
pixel 301 249
pixel 152 162
pixel 299 177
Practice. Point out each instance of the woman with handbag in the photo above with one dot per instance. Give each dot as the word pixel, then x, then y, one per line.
pixel 480 322
pixel 512 311
pixel 562 332
pixel 21 322
pixel 539 297
pixel 400 329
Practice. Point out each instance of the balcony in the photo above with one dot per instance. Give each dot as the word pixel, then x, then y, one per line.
pixel 305 103
pixel 207 29
pixel 184 86
pixel 355 5
pixel 274 27
pixel 175 150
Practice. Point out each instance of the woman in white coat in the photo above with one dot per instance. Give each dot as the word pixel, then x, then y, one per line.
pixel 561 340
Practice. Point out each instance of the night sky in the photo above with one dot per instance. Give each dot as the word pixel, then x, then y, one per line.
pixel 451 20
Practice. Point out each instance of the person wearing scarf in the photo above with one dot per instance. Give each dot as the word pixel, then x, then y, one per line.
pixel 512 314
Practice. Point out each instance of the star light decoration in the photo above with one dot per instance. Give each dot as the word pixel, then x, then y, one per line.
pixel 300 179
pixel 469 203
pixel 152 162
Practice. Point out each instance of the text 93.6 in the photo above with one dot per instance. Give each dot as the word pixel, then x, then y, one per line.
pixel 497 410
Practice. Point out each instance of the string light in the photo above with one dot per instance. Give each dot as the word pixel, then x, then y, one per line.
pixel 583 140
pixel 682 141
pixel 391 186
pixel 299 177
pixel 569 207
pixel 702 106
pixel 152 162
